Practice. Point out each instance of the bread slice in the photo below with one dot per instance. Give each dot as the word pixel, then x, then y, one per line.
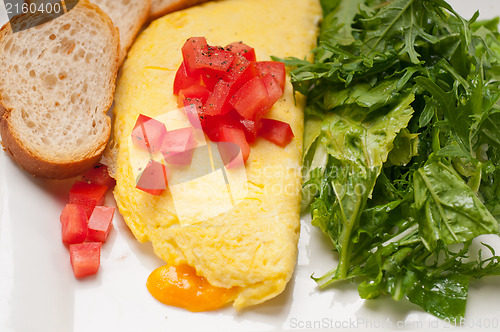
pixel 128 16
pixel 56 84
pixel 162 7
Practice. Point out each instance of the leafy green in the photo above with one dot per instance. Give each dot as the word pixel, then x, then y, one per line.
pixel 402 147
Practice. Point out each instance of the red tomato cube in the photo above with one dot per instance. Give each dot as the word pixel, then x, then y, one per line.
pixel 278 132
pixel 148 133
pixel 74 224
pixel 154 178
pixel 226 129
pixel 87 195
pixel 85 258
pixel 242 49
pixel 241 71
pixel 237 136
pixel 250 127
pixel 99 175
pixel 183 81
pixel 210 78
pixel 198 56
pixel 250 99
pixel 193 92
pixel 194 108
pixel 178 146
pixel 100 223
pixel 275 68
pixel 191 50
pixel 273 88
pixel 231 154
pixel 218 101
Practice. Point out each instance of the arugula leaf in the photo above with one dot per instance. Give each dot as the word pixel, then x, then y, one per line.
pixel 446 207
pixel 402 147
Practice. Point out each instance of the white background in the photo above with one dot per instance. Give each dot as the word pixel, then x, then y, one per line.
pixel 39 293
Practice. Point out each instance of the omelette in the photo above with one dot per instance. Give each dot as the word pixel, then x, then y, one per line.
pixel 246 248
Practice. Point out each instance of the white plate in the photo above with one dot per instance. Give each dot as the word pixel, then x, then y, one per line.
pixel 39 293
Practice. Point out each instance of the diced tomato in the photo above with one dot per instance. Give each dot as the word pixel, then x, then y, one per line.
pixel 240 72
pixel 278 132
pixel 273 88
pixel 193 109
pixel 250 127
pixel 148 133
pixel 275 68
pixel 85 258
pixel 183 81
pixel 154 178
pixel 210 78
pixel 250 99
pixel 242 49
pixel 198 56
pixel 178 146
pixel 231 154
pixel 237 136
pixel 74 224
pixel 212 125
pixel 100 223
pixel 235 93
pixel 194 91
pixel 87 195
pixel 99 175
pixel 191 51
pixel 226 129
pixel 218 101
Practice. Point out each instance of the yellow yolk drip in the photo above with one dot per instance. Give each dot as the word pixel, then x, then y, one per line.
pixel 179 286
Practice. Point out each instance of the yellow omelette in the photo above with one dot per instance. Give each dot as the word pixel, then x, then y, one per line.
pixel 249 243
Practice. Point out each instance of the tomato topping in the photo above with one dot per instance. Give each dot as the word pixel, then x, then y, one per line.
pixel 193 92
pixel 192 50
pixel 88 195
pixel 183 81
pixel 148 133
pixel 74 224
pixel 235 93
pixel 240 71
pixel 154 178
pixel 226 129
pixel 99 175
pixel 199 57
pixel 242 49
pixel 194 109
pixel 275 68
pixel 85 258
pixel 273 88
pixel 230 154
pixel 251 99
pixel 278 132
pixel 100 223
pixel 218 101
pixel 250 127
pixel 178 146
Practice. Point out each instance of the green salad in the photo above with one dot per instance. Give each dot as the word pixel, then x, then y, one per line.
pixel 402 148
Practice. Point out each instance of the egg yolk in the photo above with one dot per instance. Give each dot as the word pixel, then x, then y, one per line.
pixel 180 286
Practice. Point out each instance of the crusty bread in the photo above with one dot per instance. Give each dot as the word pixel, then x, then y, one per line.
pixel 162 7
pixel 128 16
pixel 56 84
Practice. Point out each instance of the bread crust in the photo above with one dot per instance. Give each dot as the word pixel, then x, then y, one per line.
pixel 136 28
pixel 39 167
pixel 176 5
pixel 43 165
